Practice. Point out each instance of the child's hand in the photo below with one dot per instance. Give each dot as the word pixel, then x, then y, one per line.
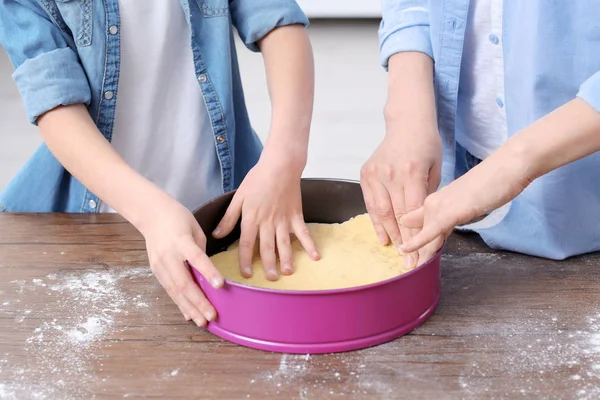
pixel 173 238
pixel 270 205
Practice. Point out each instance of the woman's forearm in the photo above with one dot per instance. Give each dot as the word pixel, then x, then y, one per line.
pixel 72 137
pixel 410 91
pixel 290 77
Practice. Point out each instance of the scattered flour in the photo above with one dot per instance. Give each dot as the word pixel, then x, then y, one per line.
pixel 62 354
pixel 89 330
pixel 552 347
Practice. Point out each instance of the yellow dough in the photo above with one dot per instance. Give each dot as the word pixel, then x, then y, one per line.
pixel 351 256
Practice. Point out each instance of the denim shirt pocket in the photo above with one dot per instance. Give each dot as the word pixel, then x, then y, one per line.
pixel 214 8
pixel 77 14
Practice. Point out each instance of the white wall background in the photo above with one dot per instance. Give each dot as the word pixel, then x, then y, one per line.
pixel 341 8
pixel 347 123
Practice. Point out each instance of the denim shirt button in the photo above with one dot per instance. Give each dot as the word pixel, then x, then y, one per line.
pixel 202 78
pixel 220 139
pixel 108 95
pixel 113 30
pixel 92 203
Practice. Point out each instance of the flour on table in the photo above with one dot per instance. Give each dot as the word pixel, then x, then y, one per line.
pixel 62 352
pixel 575 350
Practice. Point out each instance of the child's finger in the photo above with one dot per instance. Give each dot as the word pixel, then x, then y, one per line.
pixel 197 259
pixel 413 219
pixel 190 312
pixel 428 234
pixel 189 289
pixel 187 309
pixel 246 247
pixel 267 251
pixel 284 249
pixel 303 234
pixel 230 219
pixel 428 251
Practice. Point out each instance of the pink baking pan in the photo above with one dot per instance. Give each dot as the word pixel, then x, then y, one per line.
pixel 313 322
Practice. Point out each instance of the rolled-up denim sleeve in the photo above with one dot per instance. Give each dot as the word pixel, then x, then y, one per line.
pixel 404 27
pixel 254 19
pixel 47 70
pixel 589 91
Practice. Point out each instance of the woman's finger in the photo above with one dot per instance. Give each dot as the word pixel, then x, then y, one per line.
pixel 267 251
pixel 382 235
pixel 397 196
pixel 303 234
pixel 284 249
pixel 415 192
pixel 385 211
pixel 231 217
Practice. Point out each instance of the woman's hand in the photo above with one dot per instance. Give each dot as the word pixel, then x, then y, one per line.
pixel 407 164
pixel 396 179
pixel 270 205
pixel 175 243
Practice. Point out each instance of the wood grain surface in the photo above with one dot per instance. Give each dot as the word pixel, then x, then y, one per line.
pixel 82 317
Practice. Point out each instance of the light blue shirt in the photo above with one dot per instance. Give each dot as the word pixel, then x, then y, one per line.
pixel 550 57
pixel 68 52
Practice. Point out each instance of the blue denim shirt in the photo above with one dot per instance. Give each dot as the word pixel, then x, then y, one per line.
pixel 550 57
pixel 67 52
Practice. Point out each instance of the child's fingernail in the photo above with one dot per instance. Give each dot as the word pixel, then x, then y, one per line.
pixel 287 269
pixel 216 282
pixel 248 271
pixel 316 255
pixel 217 231
pixel 382 240
pixel 199 322
pixel 399 250
pixel 409 260
pixel 272 274
pixel 187 317
pixel 209 315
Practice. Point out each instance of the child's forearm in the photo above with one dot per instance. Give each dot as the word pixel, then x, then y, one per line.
pixel 290 76
pixel 72 137
pixel 565 135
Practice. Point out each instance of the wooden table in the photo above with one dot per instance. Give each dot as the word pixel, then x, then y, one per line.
pixel 82 317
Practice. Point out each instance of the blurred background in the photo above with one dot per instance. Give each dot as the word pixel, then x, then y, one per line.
pixel 350 93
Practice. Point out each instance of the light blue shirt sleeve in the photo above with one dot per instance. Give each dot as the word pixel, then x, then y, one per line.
pixel 589 91
pixel 47 71
pixel 255 19
pixel 404 27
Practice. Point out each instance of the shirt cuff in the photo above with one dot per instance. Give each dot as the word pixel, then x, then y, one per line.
pixel 589 91
pixel 413 38
pixel 257 25
pixel 50 80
